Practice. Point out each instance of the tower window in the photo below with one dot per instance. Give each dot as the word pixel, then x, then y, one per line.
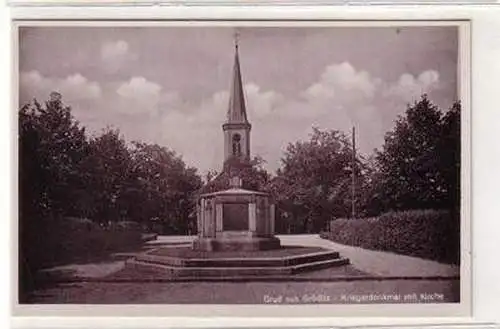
pixel 236 145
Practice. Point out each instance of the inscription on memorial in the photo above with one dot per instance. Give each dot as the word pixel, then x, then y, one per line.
pixel 235 217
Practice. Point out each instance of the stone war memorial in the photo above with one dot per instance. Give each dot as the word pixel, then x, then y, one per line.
pixel 235 225
pixel 235 219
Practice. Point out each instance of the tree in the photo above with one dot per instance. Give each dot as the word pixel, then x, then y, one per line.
pixel 167 188
pixel 370 200
pixel 450 157
pixel 253 175
pixel 51 147
pixel 313 183
pixel 417 164
pixel 109 181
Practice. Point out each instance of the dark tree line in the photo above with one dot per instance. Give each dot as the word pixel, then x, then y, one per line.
pixel 418 167
pixel 64 172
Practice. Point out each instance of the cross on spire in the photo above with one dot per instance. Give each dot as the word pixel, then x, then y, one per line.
pixel 236 37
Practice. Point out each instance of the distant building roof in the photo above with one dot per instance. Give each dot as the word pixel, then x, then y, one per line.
pixel 235 191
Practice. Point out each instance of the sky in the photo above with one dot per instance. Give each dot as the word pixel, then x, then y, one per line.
pixel 170 85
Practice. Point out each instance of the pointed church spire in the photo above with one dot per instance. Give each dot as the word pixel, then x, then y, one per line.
pixel 237 110
pixel 236 128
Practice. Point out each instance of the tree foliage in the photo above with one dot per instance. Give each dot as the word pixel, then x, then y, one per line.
pixel 51 148
pixel 418 166
pixel 64 173
pixel 253 175
pixel 450 156
pixel 314 181
pixel 166 187
pixel 108 178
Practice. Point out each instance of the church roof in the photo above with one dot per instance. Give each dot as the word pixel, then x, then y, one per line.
pixel 236 112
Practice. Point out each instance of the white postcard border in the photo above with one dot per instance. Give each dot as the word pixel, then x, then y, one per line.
pixel 298 310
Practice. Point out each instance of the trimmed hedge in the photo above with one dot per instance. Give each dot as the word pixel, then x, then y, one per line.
pixel 429 234
pixel 75 240
pixel 69 240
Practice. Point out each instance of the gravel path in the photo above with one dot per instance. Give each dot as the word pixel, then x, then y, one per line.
pixel 378 262
pixel 93 270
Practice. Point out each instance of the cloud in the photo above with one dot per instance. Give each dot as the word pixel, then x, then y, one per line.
pixel 262 103
pixel 196 129
pixel 138 96
pixel 139 89
pixel 410 87
pixel 319 91
pixel 341 97
pixel 342 82
pixel 196 133
pixel 114 54
pixel 74 87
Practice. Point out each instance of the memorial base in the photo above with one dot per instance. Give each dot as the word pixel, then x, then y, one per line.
pixel 236 243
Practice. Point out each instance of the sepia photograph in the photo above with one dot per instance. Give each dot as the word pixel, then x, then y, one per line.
pixel 232 164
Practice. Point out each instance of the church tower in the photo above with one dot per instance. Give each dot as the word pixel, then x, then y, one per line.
pixel 236 128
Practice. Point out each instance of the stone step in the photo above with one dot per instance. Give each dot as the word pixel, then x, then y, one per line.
pixel 200 272
pixel 240 261
pixel 319 265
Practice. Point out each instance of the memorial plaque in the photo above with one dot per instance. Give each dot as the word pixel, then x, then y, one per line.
pixel 235 217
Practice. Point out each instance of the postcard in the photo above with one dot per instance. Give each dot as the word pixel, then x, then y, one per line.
pixel 278 167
